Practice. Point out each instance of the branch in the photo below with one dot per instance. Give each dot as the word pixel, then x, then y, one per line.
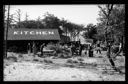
pixel 103 10
pixel 109 10
pixel 117 53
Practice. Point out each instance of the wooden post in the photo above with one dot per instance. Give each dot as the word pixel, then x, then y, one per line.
pixel 29 49
pixel 34 48
pixel 6 31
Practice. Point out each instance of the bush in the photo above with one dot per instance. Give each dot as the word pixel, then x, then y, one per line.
pixel 47 61
pixel 12 58
pixel 80 59
pixel 75 61
pixel 69 61
pixel 60 55
pixel 20 55
pixel 35 59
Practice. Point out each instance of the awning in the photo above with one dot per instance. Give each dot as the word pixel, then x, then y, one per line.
pixel 33 34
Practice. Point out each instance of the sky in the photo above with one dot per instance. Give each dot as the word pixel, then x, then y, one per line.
pixel 79 14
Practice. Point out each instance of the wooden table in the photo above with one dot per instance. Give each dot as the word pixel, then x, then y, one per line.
pixel 46 52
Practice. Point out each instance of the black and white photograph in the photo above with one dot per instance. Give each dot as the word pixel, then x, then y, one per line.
pixel 64 42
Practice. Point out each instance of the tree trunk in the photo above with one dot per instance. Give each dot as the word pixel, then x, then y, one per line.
pixel 109 57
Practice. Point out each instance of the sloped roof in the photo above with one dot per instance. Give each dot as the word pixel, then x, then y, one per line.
pixel 33 34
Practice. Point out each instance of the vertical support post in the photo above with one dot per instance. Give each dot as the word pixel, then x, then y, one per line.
pixel 29 49
pixel 34 48
pixel 6 32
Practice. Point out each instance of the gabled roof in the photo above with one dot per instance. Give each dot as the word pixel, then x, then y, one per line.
pixel 33 34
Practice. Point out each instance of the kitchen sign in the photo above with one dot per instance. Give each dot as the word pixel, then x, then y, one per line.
pixel 33 32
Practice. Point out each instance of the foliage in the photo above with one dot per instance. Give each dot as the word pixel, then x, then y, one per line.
pixel 51 21
pixel 12 58
pixel 30 24
pixel 91 32
pixel 116 22
pixel 112 20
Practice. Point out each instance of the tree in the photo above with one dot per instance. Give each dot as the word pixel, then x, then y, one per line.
pixel 116 22
pixel 91 32
pixel 109 18
pixel 18 17
pixel 106 13
pixel 100 32
pixel 31 24
pixel 51 21
pixel 38 22
pixel 26 17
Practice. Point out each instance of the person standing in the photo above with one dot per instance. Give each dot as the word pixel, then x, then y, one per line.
pixel 120 46
pixel 80 49
pixel 72 48
pixel 41 48
pixel 29 49
pixel 90 51
pixel 98 48
pixel 82 42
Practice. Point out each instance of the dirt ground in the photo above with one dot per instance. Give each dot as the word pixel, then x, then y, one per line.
pixel 29 68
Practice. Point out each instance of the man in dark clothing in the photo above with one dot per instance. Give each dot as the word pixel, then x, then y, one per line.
pixel 90 51
pixel 41 48
pixel 98 48
pixel 81 48
pixel 72 49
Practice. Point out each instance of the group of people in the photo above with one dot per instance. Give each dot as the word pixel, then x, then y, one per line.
pixel 74 48
pixel 33 48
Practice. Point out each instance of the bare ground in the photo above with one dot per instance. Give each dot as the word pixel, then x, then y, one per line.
pixel 91 69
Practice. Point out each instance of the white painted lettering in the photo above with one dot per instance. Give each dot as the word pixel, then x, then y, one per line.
pixel 32 32
pixel 25 32
pixel 50 32
pixel 21 32
pixel 44 32
pixel 15 32
pixel 38 32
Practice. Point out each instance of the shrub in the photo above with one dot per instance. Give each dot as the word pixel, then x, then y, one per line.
pixel 35 59
pixel 60 55
pixel 12 58
pixel 20 55
pixel 75 61
pixel 80 59
pixel 47 61
pixel 69 61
